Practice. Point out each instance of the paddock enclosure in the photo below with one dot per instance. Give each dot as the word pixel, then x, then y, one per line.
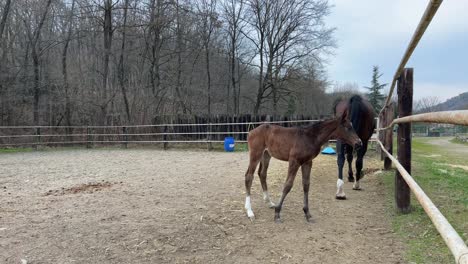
pixel 154 206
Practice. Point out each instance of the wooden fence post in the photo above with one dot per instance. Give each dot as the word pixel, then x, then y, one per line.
pixel 165 144
pixel 88 137
pixel 381 134
pixel 388 135
pixel 210 129
pixel 405 108
pixel 125 137
pixel 38 138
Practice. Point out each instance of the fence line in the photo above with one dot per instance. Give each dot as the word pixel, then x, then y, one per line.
pixel 165 133
pixel 127 134
pixel 163 125
pixel 454 242
pixel 405 96
pixel 459 117
pixel 426 19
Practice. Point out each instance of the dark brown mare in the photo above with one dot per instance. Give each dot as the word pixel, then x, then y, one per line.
pixel 298 146
pixel 362 116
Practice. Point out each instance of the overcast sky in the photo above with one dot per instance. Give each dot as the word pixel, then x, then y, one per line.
pixel 371 32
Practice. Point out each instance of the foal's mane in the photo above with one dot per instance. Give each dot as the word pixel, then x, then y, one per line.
pixel 317 124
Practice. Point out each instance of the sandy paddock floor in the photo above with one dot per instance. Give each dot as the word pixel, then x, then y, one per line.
pixel 153 206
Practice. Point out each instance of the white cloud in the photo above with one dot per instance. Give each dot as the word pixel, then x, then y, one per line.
pixel 377 32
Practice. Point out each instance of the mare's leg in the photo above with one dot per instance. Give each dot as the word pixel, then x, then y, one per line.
pixel 262 174
pixel 359 161
pixel 255 156
pixel 340 161
pixel 349 158
pixel 292 171
pixel 306 167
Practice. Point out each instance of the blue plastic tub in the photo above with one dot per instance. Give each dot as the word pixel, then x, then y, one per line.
pixel 229 144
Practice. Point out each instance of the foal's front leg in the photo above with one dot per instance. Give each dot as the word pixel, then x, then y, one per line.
pixel 306 168
pixel 340 149
pixel 292 171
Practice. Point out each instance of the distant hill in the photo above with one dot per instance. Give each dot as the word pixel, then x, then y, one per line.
pixel 459 102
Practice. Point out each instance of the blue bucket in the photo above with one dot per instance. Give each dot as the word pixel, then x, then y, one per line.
pixel 229 144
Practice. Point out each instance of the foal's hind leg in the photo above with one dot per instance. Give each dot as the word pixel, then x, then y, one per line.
pixel 359 161
pixel 262 174
pixel 255 157
pixel 292 171
pixel 306 168
pixel 340 161
pixel 349 158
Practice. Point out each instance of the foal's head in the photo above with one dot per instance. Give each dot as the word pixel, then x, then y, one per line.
pixel 346 132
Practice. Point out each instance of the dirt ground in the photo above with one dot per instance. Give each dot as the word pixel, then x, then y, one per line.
pixel 152 206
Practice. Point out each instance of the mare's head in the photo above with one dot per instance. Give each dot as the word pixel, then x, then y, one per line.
pixel 346 132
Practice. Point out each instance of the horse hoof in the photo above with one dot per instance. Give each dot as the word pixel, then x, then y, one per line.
pixel 350 179
pixel 278 220
pixel 310 220
pixel 272 205
pixel 340 197
pixel 251 215
pixel 357 188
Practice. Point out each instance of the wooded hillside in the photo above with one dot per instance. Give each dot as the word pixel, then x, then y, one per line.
pixel 108 62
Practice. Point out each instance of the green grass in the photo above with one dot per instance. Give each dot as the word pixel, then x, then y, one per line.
pixel 447 187
pixel 458 141
pixel 14 150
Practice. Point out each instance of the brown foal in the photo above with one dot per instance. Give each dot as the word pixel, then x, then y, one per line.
pixel 297 145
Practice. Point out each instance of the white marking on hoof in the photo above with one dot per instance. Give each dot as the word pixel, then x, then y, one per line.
pixel 356 185
pixel 340 194
pixel 248 207
pixel 266 198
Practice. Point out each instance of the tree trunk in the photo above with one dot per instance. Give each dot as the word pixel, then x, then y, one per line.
pixel 177 98
pixel 6 10
pixel 208 75
pixel 36 63
pixel 108 30
pixel 64 69
pixel 121 64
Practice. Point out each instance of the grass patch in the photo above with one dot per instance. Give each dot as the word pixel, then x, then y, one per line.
pixel 447 187
pixel 459 141
pixel 15 150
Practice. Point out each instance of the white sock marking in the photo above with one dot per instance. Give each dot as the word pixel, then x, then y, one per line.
pixel 248 207
pixel 266 198
pixel 356 185
pixel 339 185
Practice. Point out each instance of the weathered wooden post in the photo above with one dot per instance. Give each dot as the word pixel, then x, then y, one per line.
pixel 165 144
pixel 210 130
pixel 381 134
pixel 125 136
pixel 88 137
pixel 38 137
pixel 405 108
pixel 388 136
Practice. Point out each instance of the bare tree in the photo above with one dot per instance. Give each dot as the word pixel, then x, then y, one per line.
pixel 6 10
pixel 61 65
pixel 428 104
pixel 121 62
pixel 66 85
pixel 233 12
pixel 207 13
pixel 35 54
pixel 287 32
